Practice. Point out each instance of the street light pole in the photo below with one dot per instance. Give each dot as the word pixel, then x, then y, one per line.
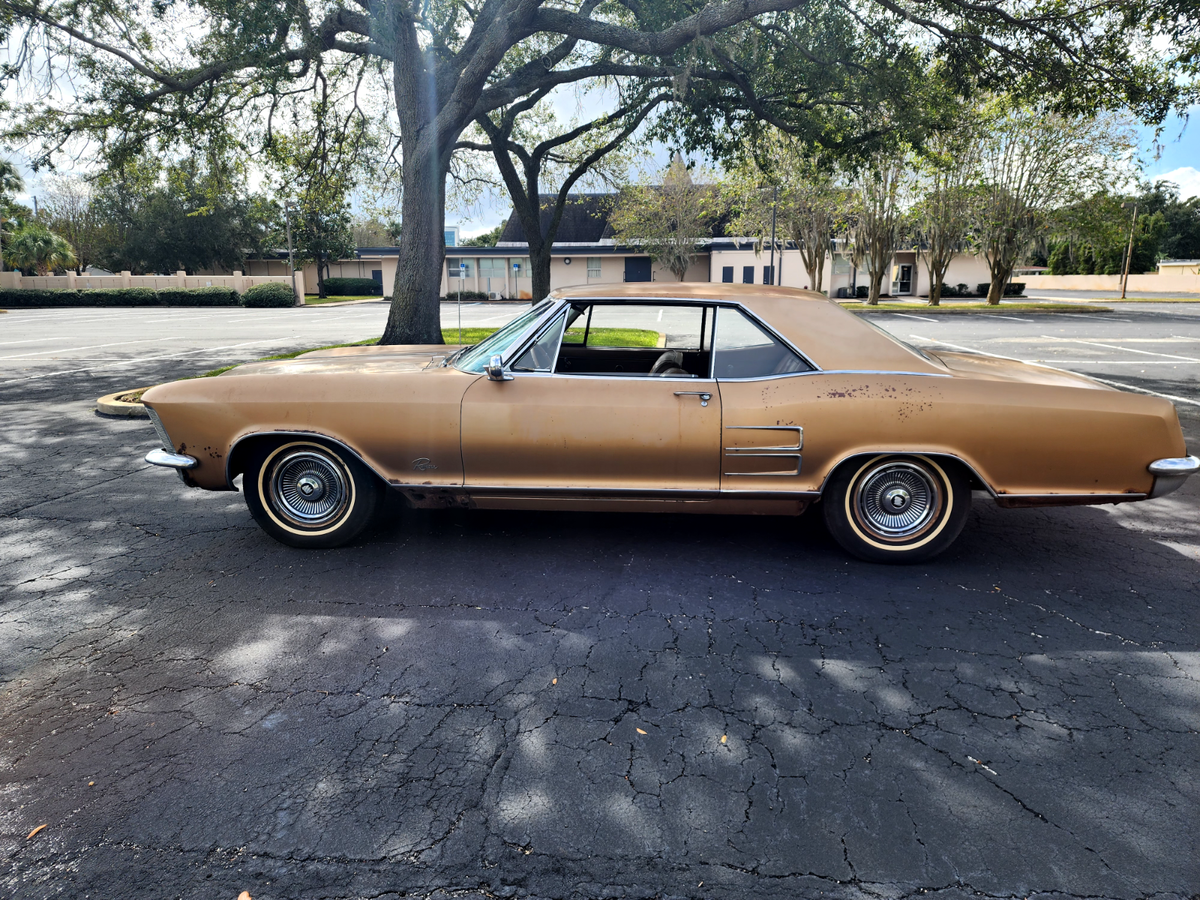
pixel 1129 251
pixel 287 214
pixel 774 210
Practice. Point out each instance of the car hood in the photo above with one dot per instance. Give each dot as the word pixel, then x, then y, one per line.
pixel 390 359
pixel 999 368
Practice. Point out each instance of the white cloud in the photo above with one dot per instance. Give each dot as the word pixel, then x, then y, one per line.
pixel 1188 179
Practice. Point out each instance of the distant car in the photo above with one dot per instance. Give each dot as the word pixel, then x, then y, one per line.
pixel 668 398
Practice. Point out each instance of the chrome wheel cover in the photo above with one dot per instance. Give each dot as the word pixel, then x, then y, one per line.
pixel 309 488
pixel 897 500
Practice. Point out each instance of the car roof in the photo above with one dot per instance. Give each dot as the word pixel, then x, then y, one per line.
pixel 684 290
pixel 820 328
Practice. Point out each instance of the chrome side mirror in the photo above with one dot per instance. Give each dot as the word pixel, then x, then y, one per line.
pixel 495 370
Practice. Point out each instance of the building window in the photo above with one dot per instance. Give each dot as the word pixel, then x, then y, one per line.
pixel 593 267
pixel 768 274
pixel 520 267
pixel 841 265
pixel 455 270
pixel 451 235
pixel 492 267
pixel 747 274
pixel 727 274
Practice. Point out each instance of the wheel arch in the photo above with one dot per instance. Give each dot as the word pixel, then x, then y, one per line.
pixel 240 451
pixel 974 479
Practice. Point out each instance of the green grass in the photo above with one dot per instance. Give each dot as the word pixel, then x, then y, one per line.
pixel 613 337
pixel 469 335
pixel 924 308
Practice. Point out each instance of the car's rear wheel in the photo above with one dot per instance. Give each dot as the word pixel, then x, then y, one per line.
pixel 900 509
pixel 306 494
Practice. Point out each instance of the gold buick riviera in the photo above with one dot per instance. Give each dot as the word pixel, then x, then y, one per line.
pixel 708 398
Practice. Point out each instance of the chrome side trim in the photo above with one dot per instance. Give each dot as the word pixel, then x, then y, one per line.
pixel 1187 465
pixel 621 493
pixel 170 460
pixel 749 450
pixel 786 451
pixel 882 372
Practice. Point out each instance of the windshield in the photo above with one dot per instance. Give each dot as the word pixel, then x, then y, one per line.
pixel 473 359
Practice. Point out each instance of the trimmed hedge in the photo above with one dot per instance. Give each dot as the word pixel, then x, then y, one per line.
pixel 1012 289
pixel 466 295
pixel 17 299
pixel 353 287
pixel 270 295
pixel 119 297
pixel 108 297
pixel 205 296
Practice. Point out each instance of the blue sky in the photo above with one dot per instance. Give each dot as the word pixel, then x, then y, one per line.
pixel 1180 153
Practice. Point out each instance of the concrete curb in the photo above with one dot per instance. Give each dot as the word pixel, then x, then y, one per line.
pixel 109 405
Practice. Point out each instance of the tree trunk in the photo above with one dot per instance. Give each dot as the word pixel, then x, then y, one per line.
pixel 321 278
pixel 935 291
pixel 415 315
pixel 1000 268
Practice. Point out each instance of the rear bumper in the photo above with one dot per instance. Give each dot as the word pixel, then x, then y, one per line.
pixel 1170 474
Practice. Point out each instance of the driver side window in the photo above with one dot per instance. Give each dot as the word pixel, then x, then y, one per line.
pixel 540 355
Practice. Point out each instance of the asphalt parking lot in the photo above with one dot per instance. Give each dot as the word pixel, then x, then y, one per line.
pixel 567 705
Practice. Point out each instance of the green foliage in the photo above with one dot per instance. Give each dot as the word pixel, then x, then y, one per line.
pixel 119 297
pixel 466 295
pixel 38 297
pixel 191 215
pixel 271 294
pixel 35 248
pixel 487 239
pixel 669 220
pixel 1012 289
pixel 353 287
pixel 1091 237
pixel 205 296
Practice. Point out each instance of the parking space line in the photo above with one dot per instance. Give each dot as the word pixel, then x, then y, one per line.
pixel 1117 347
pixel 1131 387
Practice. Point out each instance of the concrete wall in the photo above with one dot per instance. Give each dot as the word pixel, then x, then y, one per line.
pixel 70 282
pixel 1151 283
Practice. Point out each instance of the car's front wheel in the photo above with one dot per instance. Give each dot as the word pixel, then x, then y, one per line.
pixel 896 508
pixel 308 495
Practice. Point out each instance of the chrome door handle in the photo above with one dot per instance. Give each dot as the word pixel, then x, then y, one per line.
pixel 704 396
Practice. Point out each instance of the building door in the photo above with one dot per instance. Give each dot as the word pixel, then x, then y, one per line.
pixel 637 268
pixel 903 281
pixel 747 274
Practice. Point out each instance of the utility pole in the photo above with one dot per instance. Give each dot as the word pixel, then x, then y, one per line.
pixel 287 215
pixel 774 210
pixel 1129 251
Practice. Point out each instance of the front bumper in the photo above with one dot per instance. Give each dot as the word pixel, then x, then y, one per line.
pixel 171 460
pixel 1170 474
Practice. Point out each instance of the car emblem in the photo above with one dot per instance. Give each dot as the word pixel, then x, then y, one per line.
pixel 423 464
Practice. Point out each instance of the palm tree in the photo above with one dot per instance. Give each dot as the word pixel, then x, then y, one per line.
pixel 37 247
pixel 10 183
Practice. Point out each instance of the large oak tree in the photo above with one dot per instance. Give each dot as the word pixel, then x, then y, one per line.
pixel 181 71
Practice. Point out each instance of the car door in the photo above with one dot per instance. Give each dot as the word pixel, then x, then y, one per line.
pixel 605 425
pixel 763 428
